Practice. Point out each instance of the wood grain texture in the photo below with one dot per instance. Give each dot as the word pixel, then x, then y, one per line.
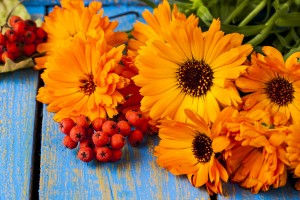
pixel 234 192
pixel 17 97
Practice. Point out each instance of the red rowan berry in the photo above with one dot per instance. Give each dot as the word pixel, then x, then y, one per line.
pixel 11 35
pixel 83 121
pixel 87 142
pixel 2 39
pixel 29 37
pixel 86 154
pixel 134 118
pixel 143 127
pixel 124 127
pixel 97 123
pixel 7 55
pixel 19 27
pixel 89 132
pixel 116 155
pixel 103 154
pixel 100 138
pixel 69 143
pixel 29 49
pixel 41 34
pixel 30 25
pixel 110 127
pixel 65 125
pixel 77 133
pixel 117 141
pixel 14 19
pixel 135 138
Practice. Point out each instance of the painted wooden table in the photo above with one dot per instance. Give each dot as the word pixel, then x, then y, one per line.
pixel 34 164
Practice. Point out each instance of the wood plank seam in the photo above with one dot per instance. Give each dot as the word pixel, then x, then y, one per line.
pixel 36 147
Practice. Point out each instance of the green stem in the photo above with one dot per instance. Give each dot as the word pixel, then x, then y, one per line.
pixel 236 11
pixel 254 12
pixel 269 25
pixel 265 32
pixel 149 3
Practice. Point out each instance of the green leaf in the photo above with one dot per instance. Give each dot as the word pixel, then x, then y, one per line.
pixel 11 66
pixel 289 20
pixel 283 41
pixel 249 30
pixel 204 14
pixel 149 3
pixel 7 5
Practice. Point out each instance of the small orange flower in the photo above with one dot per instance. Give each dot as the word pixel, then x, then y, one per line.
pixel 191 148
pixel 257 158
pixel 72 18
pixel 293 149
pixel 273 85
pixel 87 84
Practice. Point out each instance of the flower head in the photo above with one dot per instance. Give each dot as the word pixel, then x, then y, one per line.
pixel 64 23
pixel 81 80
pixel 157 23
pixel 191 148
pixel 257 159
pixel 293 150
pixel 190 70
pixel 273 85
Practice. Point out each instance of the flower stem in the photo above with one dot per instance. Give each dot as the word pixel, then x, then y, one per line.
pixel 257 9
pixel 269 25
pixel 236 11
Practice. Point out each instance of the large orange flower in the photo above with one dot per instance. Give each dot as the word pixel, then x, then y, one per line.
pixel 64 23
pixel 80 79
pixel 192 70
pixel 257 160
pixel 191 148
pixel 274 85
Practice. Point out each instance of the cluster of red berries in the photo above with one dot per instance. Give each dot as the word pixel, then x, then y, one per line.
pixel 103 139
pixel 20 39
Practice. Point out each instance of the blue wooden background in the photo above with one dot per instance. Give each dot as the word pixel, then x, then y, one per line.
pixel 34 162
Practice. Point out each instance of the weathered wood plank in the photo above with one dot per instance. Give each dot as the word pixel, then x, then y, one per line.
pixel 17 111
pixel 233 191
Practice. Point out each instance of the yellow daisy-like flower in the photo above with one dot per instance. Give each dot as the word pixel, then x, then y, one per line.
pixel 80 80
pixel 64 23
pixel 293 149
pixel 257 160
pixel 274 85
pixel 156 24
pixel 190 148
pixel 191 70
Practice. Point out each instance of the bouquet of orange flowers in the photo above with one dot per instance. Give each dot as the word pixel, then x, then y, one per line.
pixel 223 108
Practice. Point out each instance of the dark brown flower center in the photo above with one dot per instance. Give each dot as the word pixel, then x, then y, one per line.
pixel 88 86
pixel 195 77
pixel 202 148
pixel 280 91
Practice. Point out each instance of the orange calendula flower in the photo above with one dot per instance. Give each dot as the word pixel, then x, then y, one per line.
pixel 81 79
pixel 293 149
pixel 191 70
pixel 257 160
pixel 273 84
pixel 64 23
pixel 157 23
pixel 191 148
